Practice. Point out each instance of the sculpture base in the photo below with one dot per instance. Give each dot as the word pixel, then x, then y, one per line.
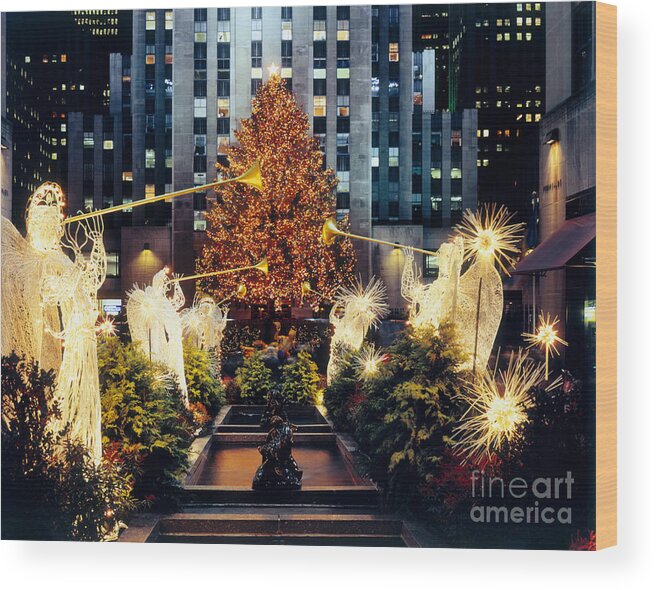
pixel 286 477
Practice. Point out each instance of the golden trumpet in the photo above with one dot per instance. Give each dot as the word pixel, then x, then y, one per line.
pixel 240 293
pixel 262 266
pixel 307 288
pixel 330 231
pixel 252 177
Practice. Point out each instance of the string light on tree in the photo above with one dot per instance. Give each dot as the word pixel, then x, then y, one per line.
pixel 546 337
pixel 283 221
pixel 497 407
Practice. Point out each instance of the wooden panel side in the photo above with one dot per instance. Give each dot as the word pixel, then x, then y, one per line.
pixel 606 163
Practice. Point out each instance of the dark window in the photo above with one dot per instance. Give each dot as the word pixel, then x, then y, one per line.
pixel 200 88
pixel 343 12
pixel 319 87
pixel 343 87
pixel 223 14
pixel 200 14
pixel 255 85
pixel 319 13
pixel 286 12
pixel 200 126
pixel 256 13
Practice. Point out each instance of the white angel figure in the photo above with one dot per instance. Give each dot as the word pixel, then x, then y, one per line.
pixel 432 304
pixel 25 262
pixel 156 326
pixel 71 287
pixel 356 310
pixel 204 323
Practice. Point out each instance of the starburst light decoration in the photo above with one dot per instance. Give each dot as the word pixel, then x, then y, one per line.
pixel 546 337
pixel 357 309
pixel 106 328
pixel 489 237
pixel 497 407
pixel 367 362
pixel 156 326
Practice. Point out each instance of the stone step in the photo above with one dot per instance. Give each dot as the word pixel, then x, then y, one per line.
pixel 312 540
pixel 357 495
pixel 284 524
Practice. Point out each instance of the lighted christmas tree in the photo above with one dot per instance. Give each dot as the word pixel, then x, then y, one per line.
pixel 283 221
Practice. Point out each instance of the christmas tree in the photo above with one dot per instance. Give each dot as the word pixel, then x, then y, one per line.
pixel 283 221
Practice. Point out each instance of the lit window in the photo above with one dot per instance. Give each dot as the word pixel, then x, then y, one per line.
pixel 150 20
pixel 393 157
pixel 54 155
pixel 343 73
pixel 27 59
pixel 150 59
pixel 342 30
pixel 222 144
pixel 63 58
pixel 286 30
pixel 150 158
pixel 150 190
pixel 88 139
pixel 519 8
pixel 393 52
pixel 319 32
pixel 168 19
pixel 127 176
pixel 456 173
pixel 520 21
pixel 108 144
pixel 538 117
pixel 486 133
pixel 538 21
pixel 529 21
pixel 519 36
pixel 529 36
pixel 506 36
pixel 200 108
pixel 319 106
pixel 436 173
pixel 486 163
pixel 456 138
pixel 223 109
pixel 319 74
pixel 113 265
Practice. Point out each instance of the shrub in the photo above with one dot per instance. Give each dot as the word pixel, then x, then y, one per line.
pixel 300 380
pixel 146 419
pixel 51 488
pixel 255 380
pixel 402 419
pixel 203 383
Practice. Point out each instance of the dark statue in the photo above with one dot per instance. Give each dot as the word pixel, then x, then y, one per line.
pixel 275 407
pixel 279 470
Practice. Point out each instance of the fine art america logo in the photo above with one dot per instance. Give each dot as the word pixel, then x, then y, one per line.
pixel 542 500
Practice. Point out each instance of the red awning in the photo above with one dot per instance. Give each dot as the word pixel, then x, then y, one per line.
pixel 560 247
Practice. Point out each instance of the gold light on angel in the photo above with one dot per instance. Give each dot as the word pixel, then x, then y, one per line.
pixel 489 236
pixel 497 408
pixel 546 337
pixel 367 363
